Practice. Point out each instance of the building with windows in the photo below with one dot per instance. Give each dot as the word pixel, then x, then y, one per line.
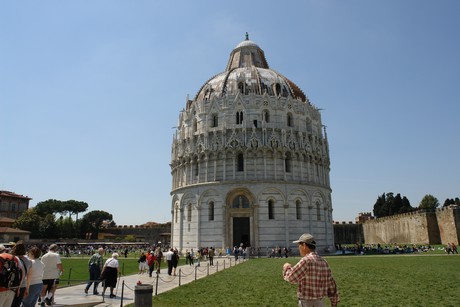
pixel 12 205
pixel 250 161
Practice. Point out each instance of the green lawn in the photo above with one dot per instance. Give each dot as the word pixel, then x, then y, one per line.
pixel 76 268
pixel 387 280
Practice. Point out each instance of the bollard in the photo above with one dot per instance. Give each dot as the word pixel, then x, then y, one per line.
pixel 143 295
pixel 70 272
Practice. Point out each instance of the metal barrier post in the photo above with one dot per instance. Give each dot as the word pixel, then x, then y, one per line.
pixel 180 270
pixel 195 271
pixel 122 290
pixel 207 269
pixel 156 286
pixel 68 281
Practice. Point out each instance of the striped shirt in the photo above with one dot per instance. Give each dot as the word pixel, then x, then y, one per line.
pixel 314 279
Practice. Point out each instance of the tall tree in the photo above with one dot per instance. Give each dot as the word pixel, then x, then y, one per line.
pixel 66 227
pixel 48 227
pixel 406 207
pixel 448 202
pixel 379 206
pixel 91 222
pixel 396 205
pixel 428 202
pixel 75 207
pixel 30 221
pixel 50 206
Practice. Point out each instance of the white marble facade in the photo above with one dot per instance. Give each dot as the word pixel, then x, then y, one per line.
pixel 250 161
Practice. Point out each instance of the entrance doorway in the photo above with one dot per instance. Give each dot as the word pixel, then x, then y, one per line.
pixel 241 231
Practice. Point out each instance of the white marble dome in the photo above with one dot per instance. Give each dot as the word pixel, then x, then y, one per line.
pixel 248 72
pixel 250 162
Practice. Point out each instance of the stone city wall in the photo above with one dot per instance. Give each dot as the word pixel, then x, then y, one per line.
pixel 413 227
pixel 348 233
pixel 449 224
pixel 151 234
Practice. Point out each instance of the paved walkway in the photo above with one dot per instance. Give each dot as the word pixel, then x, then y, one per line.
pixel 126 286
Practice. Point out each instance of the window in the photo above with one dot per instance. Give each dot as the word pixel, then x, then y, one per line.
pixel 271 210
pixel 195 167
pixel 240 167
pixel 309 125
pixel 255 123
pixel 266 116
pixel 239 117
pixel 211 211
pixel 277 89
pixel 240 201
pixel 298 211
pixel 318 211
pixel 175 215
pixel 195 125
pixel 241 87
pixel 287 163
pixel 289 120
pixel 215 121
pixel 189 212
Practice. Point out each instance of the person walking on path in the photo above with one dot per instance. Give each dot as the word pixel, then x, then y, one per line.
pixel 175 260
pixel 312 275
pixel 158 256
pixel 52 271
pixel 7 295
pixel 151 262
pixel 169 255
pixel 211 256
pixel 19 250
pixel 110 273
pixel 35 278
pixel 95 264
pixel 142 263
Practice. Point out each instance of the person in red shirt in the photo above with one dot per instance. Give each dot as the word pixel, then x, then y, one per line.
pixel 7 295
pixel 312 275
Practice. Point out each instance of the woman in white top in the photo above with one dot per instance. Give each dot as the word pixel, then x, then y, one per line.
pixel 110 273
pixel 34 278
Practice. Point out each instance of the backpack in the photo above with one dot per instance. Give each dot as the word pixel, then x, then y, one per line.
pixel 10 273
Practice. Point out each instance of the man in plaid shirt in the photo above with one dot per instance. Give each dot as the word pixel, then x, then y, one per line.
pixel 312 275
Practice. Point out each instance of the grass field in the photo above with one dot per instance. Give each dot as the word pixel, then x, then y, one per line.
pixel 76 268
pixel 430 279
pixel 389 280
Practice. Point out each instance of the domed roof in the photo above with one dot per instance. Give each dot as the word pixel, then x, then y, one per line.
pixel 246 43
pixel 247 72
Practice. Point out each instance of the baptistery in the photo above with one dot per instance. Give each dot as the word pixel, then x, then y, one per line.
pixel 250 162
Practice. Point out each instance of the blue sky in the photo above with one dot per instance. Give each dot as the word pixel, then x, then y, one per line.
pixel 90 91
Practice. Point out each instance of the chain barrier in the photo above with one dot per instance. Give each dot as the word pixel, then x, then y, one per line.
pixel 167 281
pixel 185 274
pixel 201 269
pixel 197 270
pixel 127 286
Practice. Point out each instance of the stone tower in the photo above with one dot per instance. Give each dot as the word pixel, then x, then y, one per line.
pixel 250 161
